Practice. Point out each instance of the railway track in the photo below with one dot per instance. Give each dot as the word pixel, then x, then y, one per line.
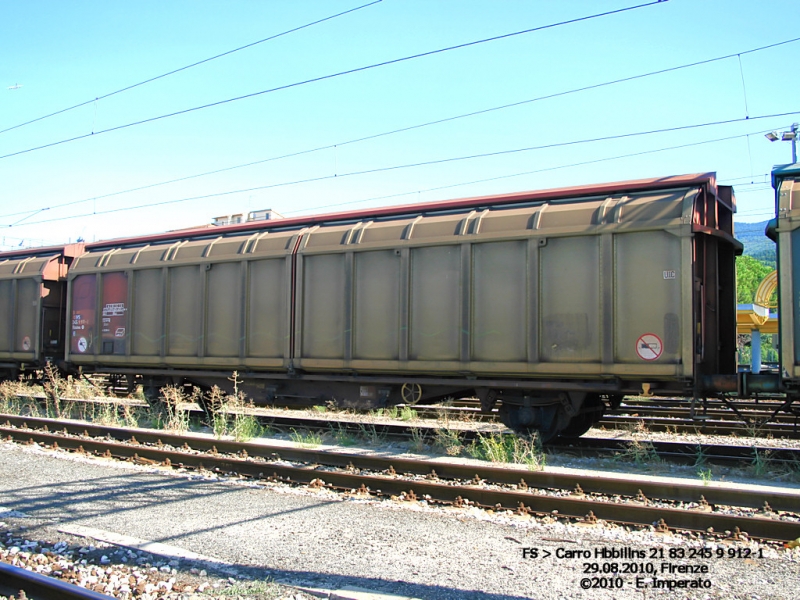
pixel 714 416
pixel 667 415
pixel 679 452
pixel 469 429
pixel 772 515
pixel 685 453
pixel 764 417
pixel 14 581
pixel 699 426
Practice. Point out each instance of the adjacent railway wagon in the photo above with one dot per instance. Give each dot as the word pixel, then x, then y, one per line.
pixel 549 302
pixel 33 295
pixel 785 231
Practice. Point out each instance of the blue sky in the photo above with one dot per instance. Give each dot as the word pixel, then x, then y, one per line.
pixel 54 55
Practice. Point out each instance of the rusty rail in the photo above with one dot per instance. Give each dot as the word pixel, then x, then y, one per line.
pixel 15 579
pixel 447 483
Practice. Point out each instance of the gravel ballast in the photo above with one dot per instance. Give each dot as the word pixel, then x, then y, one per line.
pixel 324 540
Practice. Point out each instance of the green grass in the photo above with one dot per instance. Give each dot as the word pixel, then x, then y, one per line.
pixel 370 434
pixel 760 465
pixel 705 475
pixel 700 457
pixel 245 428
pixel 448 441
pixel 175 419
pixel 255 590
pixel 341 435
pixel 640 453
pixel 401 413
pixel 509 448
pixel 309 439
pixel 417 443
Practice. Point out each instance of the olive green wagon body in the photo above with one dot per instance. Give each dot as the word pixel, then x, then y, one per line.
pixel 541 299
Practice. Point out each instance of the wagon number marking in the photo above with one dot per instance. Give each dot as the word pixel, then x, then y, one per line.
pixel 649 346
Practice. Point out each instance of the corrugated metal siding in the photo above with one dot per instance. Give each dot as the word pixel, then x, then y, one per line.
pixel 787 182
pixel 593 286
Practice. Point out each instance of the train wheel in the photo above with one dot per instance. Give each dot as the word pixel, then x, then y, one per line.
pixel 411 393
pixel 591 412
pixel 543 421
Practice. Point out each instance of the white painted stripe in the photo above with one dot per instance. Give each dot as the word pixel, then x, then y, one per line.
pixel 346 593
pixel 356 593
pixel 133 543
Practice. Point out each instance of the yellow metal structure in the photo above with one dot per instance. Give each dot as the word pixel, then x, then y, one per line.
pixel 757 315
pixel 747 320
pixel 766 289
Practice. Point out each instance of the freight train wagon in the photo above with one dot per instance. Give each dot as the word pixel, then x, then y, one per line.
pixel 784 229
pixel 33 299
pixel 547 301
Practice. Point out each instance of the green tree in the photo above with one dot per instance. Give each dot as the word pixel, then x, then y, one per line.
pixel 750 272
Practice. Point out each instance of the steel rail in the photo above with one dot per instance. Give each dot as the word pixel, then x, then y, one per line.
pixel 680 452
pixel 760 404
pixel 685 452
pixel 578 505
pixel 679 492
pixel 720 414
pixel 40 587
pixel 704 426
pixel 666 414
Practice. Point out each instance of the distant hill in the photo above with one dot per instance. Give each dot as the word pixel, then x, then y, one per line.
pixel 756 244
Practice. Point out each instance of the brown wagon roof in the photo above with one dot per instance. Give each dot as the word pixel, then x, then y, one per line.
pixel 707 180
pixel 67 250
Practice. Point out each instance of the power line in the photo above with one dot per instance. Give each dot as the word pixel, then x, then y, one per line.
pixel 409 128
pixel 190 66
pixel 744 177
pixel 439 161
pixel 752 184
pixel 533 172
pixel 751 190
pixel 508 176
pixel 331 76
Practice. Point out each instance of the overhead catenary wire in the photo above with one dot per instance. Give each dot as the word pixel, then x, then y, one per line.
pixel 331 76
pixel 433 162
pixel 409 128
pixel 495 153
pixel 752 190
pixel 531 172
pixel 744 177
pixel 189 66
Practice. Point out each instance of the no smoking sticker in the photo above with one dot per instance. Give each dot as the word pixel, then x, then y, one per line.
pixel 649 346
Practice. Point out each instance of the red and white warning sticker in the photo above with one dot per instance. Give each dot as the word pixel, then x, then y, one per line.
pixel 649 346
